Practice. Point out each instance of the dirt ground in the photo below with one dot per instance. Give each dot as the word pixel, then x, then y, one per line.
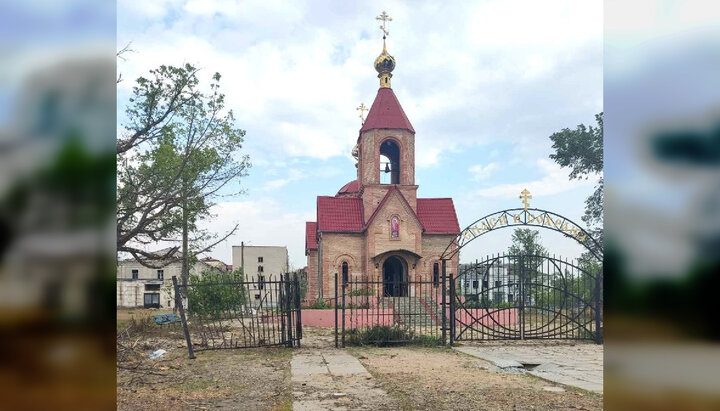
pixel 442 379
pixel 250 379
pixel 259 379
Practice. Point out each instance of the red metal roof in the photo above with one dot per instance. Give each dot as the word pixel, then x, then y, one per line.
pixel 386 112
pixel 339 214
pixel 349 188
pixel 438 215
pixel 311 235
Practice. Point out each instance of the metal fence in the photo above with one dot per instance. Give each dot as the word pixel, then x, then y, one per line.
pixel 220 313
pixel 387 312
pixel 523 297
pixel 504 297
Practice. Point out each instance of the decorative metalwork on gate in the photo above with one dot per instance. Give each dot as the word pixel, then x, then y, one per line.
pixel 524 217
pixel 222 313
pixel 526 297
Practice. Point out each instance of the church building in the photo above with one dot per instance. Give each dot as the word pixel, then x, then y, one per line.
pixel 376 228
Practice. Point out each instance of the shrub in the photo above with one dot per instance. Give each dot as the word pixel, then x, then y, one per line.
pixel 212 294
pixel 319 305
pixel 384 335
pixel 367 291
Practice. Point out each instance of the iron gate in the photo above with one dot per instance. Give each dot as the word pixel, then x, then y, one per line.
pixel 220 312
pixel 523 297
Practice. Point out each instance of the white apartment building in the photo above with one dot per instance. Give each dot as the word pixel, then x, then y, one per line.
pixel 140 286
pixel 260 264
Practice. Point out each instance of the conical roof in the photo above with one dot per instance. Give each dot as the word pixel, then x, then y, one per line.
pixel 386 112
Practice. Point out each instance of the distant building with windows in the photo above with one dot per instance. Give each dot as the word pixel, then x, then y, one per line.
pixel 140 286
pixel 260 263
pixel 497 283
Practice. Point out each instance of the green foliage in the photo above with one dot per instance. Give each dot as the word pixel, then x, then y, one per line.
pixel 488 304
pixel 367 291
pixel 526 242
pixel 581 150
pixel 180 148
pixel 352 306
pixel 319 305
pixel 384 335
pixel 213 294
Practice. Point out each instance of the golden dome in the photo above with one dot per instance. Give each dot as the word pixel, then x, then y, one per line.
pixel 384 64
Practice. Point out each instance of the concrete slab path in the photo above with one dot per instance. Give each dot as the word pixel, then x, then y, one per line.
pixel 331 379
pixel 577 365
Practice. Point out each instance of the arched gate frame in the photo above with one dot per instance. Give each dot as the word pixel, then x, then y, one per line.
pixel 520 296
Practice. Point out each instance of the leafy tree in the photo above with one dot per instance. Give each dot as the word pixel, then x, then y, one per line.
pixel 179 153
pixel 526 242
pixel 581 150
pixel 212 294
pixel 526 253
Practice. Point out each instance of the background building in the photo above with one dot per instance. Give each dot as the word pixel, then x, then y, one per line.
pixel 140 286
pixel 260 263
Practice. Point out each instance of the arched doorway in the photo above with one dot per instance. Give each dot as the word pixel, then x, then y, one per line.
pixel 394 277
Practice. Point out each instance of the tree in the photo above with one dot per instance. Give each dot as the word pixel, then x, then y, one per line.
pixel 154 103
pixel 526 242
pixel 526 254
pixel 215 295
pixel 581 150
pixel 182 154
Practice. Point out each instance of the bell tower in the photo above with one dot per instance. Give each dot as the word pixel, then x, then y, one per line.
pixel 386 144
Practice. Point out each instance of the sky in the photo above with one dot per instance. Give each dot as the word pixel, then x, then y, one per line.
pixel 484 84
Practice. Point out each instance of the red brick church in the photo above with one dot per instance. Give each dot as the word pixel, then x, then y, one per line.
pixel 376 228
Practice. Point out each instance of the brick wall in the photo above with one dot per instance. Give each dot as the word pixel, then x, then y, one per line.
pixel 312 275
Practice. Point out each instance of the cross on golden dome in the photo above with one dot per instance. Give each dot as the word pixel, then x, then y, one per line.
pixel 384 18
pixel 385 63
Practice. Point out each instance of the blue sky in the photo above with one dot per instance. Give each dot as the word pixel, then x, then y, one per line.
pixel 483 84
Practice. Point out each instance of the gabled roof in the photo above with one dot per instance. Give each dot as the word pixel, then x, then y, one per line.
pixel 311 235
pixel 438 215
pixel 385 199
pixel 339 214
pixel 386 112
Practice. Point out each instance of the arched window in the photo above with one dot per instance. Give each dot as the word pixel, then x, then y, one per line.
pixel 436 275
pixel 344 272
pixel 389 162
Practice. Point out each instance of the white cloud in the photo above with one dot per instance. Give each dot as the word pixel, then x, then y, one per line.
pixel 261 222
pixel 482 172
pixel 554 181
pixel 294 72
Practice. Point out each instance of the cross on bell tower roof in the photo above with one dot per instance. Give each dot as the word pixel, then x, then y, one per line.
pixel 385 63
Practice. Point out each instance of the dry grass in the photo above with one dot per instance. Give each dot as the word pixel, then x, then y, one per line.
pixel 254 379
pixel 442 379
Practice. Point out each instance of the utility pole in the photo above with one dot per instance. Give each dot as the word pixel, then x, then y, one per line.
pixel 242 256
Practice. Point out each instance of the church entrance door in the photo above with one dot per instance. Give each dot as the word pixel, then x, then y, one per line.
pixel 394 278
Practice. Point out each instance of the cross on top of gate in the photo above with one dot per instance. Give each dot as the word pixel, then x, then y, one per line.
pixel 525 196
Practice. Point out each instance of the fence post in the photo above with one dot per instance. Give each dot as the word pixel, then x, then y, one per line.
pixel 452 309
pixel 598 309
pixel 288 308
pixel 179 305
pixel 344 287
pixel 336 313
pixel 298 315
pixel 444 306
